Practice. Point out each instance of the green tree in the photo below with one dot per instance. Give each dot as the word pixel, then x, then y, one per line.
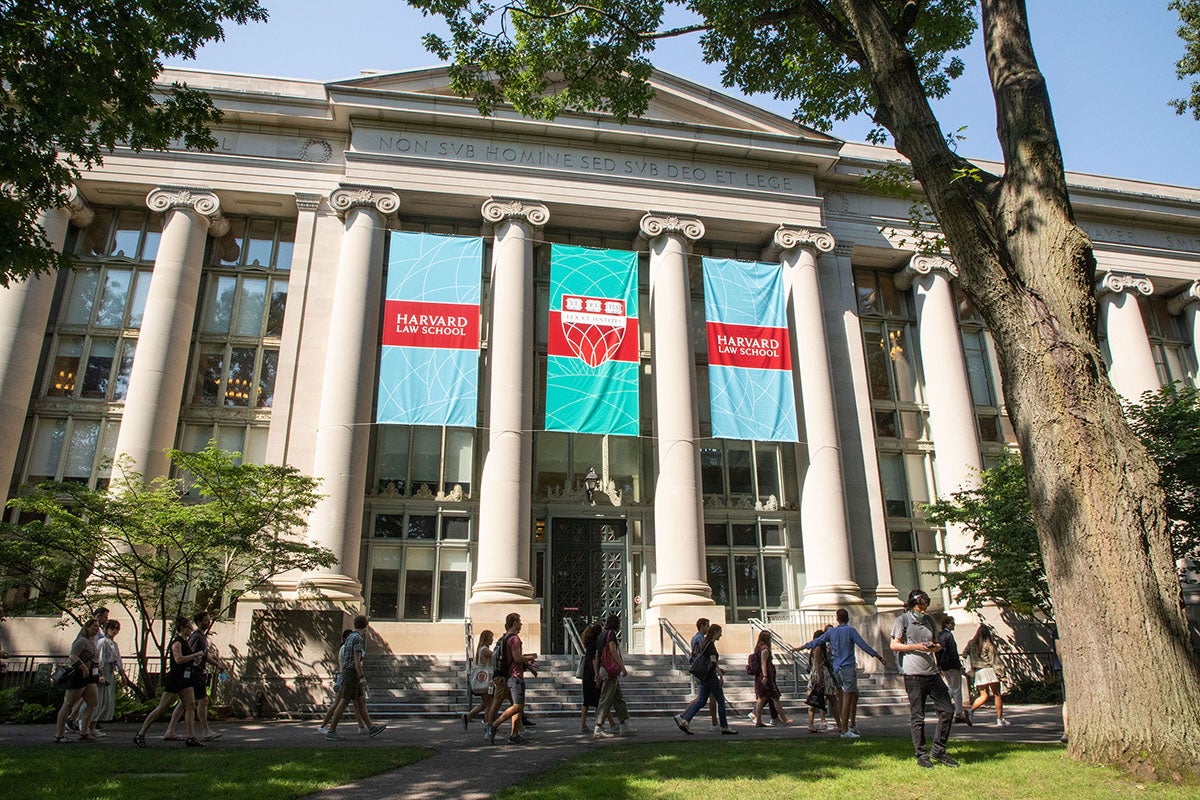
pixel 1023 261
pixel 161 549
pixel 1189 65
pixel 1004 561
pixel 77 79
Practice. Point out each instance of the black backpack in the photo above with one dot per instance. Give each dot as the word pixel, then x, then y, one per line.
pixel 500 658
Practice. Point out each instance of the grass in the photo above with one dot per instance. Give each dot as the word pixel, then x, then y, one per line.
pixel 870 769
pixel 55 772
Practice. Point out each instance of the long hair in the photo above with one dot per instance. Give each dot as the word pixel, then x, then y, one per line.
pixel 713 632
pixel 982 636
pixel 590 633
pixel 764 638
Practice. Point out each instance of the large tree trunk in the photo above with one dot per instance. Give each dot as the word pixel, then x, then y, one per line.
pixel 1133 681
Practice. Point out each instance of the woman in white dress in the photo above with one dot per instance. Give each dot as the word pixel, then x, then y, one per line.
pixel 109 658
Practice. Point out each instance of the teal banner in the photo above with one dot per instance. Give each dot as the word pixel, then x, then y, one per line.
pixel 592 368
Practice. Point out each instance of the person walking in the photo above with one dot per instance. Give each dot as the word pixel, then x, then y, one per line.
pixel 177 684
pixel 483 661
pixel 707 669
pixel 75 718
pixel 844 638
pixel 914 636
pixel 820 677
pixel 951 666
pixel 198 643
pixel 515 662
pixel 83 677
pixel 766 690
pixel 587 676
pixel 698 642
pixel 354 683
pixel 610 668
pixel 359 705
pixel 108 654
pixel 988 672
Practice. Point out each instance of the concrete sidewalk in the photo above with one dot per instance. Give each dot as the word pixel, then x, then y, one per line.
pixel 464 766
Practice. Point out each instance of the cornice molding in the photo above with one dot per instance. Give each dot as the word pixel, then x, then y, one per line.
pixel 496 210
pixel 1189 296
pixel 308 202
pixel 381 200
pixel 921 265
pixel 189 198
pixel 1118 282
pixel 788 237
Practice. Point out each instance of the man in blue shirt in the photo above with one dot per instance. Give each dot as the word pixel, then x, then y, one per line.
pixel 843 639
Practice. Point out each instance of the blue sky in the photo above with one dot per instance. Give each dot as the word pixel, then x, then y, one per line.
pixel 1110 66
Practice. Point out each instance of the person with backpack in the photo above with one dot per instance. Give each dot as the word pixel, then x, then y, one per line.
pixel 609 667
pixel 952 669
pixel 511 661
pixel 766 690
pixel 359 708
pixel 914 636
pixel 844 638
pixel 706 667
pixel 702 625
pixel 354 683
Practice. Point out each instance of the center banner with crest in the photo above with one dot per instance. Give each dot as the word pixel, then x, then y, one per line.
pixel 592 368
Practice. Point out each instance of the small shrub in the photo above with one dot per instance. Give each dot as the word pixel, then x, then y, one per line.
pixel 1029 690
pixel 35 713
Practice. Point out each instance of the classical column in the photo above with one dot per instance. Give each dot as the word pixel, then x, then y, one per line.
pixel 1132 369
pixel 947 387
pixel 343 423
pixel 156 381
pixel 678 504
pixel 502 577
pixel 828 567
pixel 24 313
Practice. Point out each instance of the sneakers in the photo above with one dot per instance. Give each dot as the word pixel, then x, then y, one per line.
pixel 322 730
pixel 1002 723
pixel 946 759
pixel 922 761
pixel 626 730
pixel 376 730
pixel 600 733
pixel 850 734
pixel 683 724
pixel 192 741
pixel 518 739
pixel 967 717
pixel 854 730
pixel 466 723
pixel 334 736
pixel 489 734
pixel 72 726
pixel 363 731
pixel 727 731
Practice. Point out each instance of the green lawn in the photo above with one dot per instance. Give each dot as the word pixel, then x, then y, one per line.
pixel 869 769
pixel 58 772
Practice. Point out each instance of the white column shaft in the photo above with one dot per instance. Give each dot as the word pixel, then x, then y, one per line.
pixel 156 380
pixel 1132 371
pixel 829 572
pixel 24 312
pixel 506 482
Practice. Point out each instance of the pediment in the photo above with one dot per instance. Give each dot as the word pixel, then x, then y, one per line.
pixel 676 100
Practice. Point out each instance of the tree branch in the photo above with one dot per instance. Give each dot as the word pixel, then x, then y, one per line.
pixel 908 16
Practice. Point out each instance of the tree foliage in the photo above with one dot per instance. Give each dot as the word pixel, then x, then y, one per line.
pixel 1168 423
pixel 1189 65
pixel 161 549
pixel 78 79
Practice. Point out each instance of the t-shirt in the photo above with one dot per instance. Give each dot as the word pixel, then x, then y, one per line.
pixel 912 628
pixel 697 641
pixel 843 638
pixel 198 642
pixel 947 657
pixel 354 644
pixel 83 650
pixel 516 666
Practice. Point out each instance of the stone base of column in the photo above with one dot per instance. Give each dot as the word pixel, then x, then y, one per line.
pixel 887 598
pixel 682 593
pixel 487 615
pixel 512 590
pixel 326 587
pixel 683 616
pixel 831 596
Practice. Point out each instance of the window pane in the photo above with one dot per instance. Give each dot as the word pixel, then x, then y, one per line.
pixel 266 378
pixel 456 528
pixel 210 363
pixel 82 451
pixel 459 447
pixel 877 365
pixel 218 305
pixel 93 239
pixel 452 584
pixel 551 461
pixel 767 456
pixel 259 242
pixel 977 371
pixel 108 449
pixel 885 424
pixel 902 541
pixel 255 449
pixel 776 586
pixel 744 534
pixel 893 301
pixel 904 575
pixel 278 306
pixel 253 303
pixel 231 439
pixel 718 579
pixel 716 534
pixel 895 496
pixel 152 238
pixel 588 455
pixel 141 290
pixel 283 253
pixel 389 526
pixel 900 349
pixel 712 475
pixel 197 437
pixel 392 447
pixel 426 457
pixel 127 234
pixel 867 292
pixel 623 467
pixel 418 584
pixel 99 368
pixel 918 484
pixel 241 376
pixel 772 534
pixel 47 449
pixel 989 429
pixel 230 255
pixel 385 583
pixel 422 526
pixel 65 369
pixel 112 300
pixel 912 424
pixel 741 475
pixel 82 297
pixel 746 571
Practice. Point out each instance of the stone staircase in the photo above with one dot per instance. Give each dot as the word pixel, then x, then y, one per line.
pixel 435 686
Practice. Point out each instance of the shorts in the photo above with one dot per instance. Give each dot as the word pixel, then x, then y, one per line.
pixel 175 684
pixel 200 685
pixel 846 679
pixel 499 689
pixel 516 690
pixel 352 685
pixel 76 678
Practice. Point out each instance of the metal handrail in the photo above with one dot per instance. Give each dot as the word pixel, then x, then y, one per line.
pixel 678 643
pixel 572 641
pixel 782 649
pixel 469 631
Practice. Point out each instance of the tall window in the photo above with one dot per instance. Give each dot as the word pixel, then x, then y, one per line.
pixel 1169 341
pixel 746 561
pixel 419 565
pixel 996 432
pixel 424 461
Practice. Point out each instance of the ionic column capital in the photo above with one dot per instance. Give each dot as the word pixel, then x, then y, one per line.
pixel 787 237
pixel 1118 282
pixel 383 201
pixel 1189 296
pixel 511 209
pixel 81 213
pixel 655 224
pixel 201 201
pixel 921 265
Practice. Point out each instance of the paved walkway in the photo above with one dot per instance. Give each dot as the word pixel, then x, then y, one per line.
pixel 464 766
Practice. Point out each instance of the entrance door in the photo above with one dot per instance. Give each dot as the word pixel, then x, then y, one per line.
pixel 587 573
